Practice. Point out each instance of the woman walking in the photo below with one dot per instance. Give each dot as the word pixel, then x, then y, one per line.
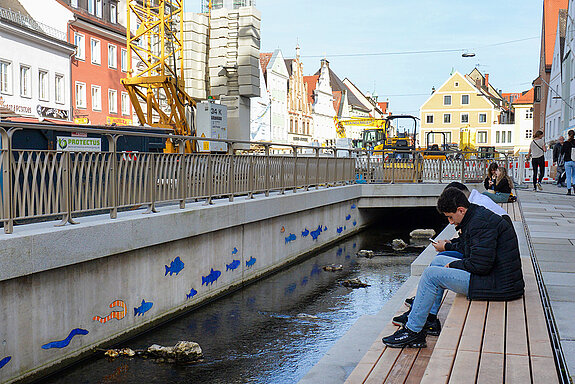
pixel 537 151
pixel 502 186
pixel 568 151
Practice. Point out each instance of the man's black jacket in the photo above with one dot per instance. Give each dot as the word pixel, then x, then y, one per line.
pixel 491 254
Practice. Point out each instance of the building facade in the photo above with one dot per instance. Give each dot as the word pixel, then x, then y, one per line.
pixel 35 72
pixel 300 128
pixel 554 108
pixel 323 110
pixel 523 107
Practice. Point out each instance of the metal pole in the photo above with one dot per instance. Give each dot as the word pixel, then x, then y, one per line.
pixel 7 196
pixel 209 180
pixel 463 169
pixel 267 171
pixel 182 171
pixel 317 168
pixel 231 175
pixel 295 184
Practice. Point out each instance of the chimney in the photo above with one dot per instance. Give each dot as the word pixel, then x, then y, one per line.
pixel 486 80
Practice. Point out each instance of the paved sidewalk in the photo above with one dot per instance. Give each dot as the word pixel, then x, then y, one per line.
pixel 550 218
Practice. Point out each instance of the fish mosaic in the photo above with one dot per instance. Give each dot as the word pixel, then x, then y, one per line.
pixel 354 245
pixel 354 223
pixel 305 233
pixel 211 278
pixel 283 229
pixel 5 361
pixel 290 289
pixel 251 262
pixel 234 251
pixel 315 233
pixel 339 252
pixel 64 343
pixel 290 238
pixel 119 315
pixel 316 270
pixel 304 281
pixel 143 308
pixel 348 217
pixel 192 293
pixel 353 206
pixel 176 266
pixel 324 228
pixel 233 265
pixel 339 229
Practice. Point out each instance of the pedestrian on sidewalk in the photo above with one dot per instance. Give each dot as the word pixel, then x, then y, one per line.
pixel 537 151
pixel 568 151
pixel 489 181
pixel 490 268
pixel 502 188
pixel 559 161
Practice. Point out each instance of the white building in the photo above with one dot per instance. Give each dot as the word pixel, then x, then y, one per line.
pixel 323 111
pixel 523 122
pixel 34 66
pixel 568 75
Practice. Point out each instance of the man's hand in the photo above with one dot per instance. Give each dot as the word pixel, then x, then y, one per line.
pixel 447 265
pixel 440 246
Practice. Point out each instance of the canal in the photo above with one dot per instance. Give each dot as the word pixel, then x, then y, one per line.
pixel 275 330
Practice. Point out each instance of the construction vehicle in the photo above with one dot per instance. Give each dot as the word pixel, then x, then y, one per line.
pixel 433 151
pixel 157 81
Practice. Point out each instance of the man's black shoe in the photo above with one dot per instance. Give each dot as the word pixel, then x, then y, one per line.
pixel 409 301
pixel 432 325
pixel 405 338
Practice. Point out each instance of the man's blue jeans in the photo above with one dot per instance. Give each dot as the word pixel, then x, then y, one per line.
pixel 434 280
pixel 455 254
pixel 570 173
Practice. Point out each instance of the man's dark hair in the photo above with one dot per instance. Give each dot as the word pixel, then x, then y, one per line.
pixel 450 200
pixel 458 185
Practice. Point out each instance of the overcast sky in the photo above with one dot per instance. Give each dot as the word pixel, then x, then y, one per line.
pixel 369 42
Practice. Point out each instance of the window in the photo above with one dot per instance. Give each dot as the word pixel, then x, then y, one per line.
pixel 80 46
pixel 537 94
pixel 529 113
pixel 429 119
pixel 96 98
pixel 447 118
pixel 482 137
pixel 74 3
pixel 112 101
pixel 112 56
pixel 95 51
pixel 528 133
pixel 483 117
pixel 113 13
pixel 124 60
pixel 447 100
pixel 43 85
pixel 5 77
pixel 448 137
pixel 509 136
pixel 80 95
pixel 498 137
pixel 99 8
pixel 456 84
pixel 59 88
pixel 465 118
pixel 91 6
pixel 464 99
pixel 25 81
pixel 125 104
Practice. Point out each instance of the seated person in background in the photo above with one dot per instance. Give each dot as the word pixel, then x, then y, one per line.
pixel 502 189
pixel 490 268
pixel 489 182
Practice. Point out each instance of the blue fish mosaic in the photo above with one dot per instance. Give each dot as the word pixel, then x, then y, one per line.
pixel 234 251
pixel 5 361
pixel 251 262
pixel 290 289
pixel 143 308
pixel 339 252
pixel 211 278
pixel 339 229
pixel 324 228
pixel 66 341
pixel 175 267
pixel 354 245
pixel 315 234
pixel 233 265
pixel 290 238
pixel 192 293
pixel 315 270
pixel 305 233
pixel 354 223
pixel 304 281
pixel 348 217
pixel 353 206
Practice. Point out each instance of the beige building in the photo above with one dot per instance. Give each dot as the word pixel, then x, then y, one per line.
pixel 467 107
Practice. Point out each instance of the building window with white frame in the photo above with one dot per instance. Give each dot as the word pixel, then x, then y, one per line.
pixel 91 4
pixel 74 3
pixel 95 51
pixel 529 114
pixel 125 101
pixel 98 8
pixel 25 81
pixel 43 85
pixel 447 100
pixel 124 60
pixel 456 84
pixel 113 13
pixel 112 101
pixel 59 88
pixel 96 98
pixel 5 77
pixel 80 95
pixel 112 56
pixel 482 137
pixel 509 136
pixel 429 119
pixel 447 118
pixel 80 42
pixel 448 137
pixel 483 117
pixel 497 137
pixel 465 118
pixel 464 99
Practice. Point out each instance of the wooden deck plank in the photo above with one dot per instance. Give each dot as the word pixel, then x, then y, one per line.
pixel 516 331
pixel 439 367
pixel 517 369
pixel 543 370
pixel 402 366
pixel 490 368
pixel 464 367
pixel 453 326
pixel 472 336
pixel 383 366
pixel 494 339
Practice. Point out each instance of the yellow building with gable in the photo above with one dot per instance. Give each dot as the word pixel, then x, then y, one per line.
pixel 465 104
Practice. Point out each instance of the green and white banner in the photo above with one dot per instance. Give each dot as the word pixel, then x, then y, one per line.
pixel 79 144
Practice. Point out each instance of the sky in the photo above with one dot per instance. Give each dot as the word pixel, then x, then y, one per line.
pixel 372 42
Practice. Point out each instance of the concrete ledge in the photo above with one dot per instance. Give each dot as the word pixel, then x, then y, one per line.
pixel 425 258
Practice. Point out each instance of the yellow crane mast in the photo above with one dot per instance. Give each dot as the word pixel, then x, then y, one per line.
pixel 157 81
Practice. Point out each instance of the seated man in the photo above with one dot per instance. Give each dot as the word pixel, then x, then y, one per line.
pixel 490 268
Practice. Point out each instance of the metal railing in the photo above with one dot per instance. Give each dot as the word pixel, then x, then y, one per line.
pixel 47 184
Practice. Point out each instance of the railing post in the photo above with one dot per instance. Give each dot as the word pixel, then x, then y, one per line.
pixel 251 177
pixel 463 169
pixel 231 175
pixel 112 148
pixel 209 180
pixel 307 173
pixel 282 178
pixel 317 168
pixel 295 185
pixel 67 198
pixel 182 175
pixel 393 159
pixel 336 177
pixel 7 193
pixel 267 170
pixel 368 170
pixel 152 183
pixel 440 171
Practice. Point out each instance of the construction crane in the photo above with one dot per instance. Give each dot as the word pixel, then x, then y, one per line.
pixel 157 81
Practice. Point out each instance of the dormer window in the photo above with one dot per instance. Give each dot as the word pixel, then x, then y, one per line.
pixel 456 84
